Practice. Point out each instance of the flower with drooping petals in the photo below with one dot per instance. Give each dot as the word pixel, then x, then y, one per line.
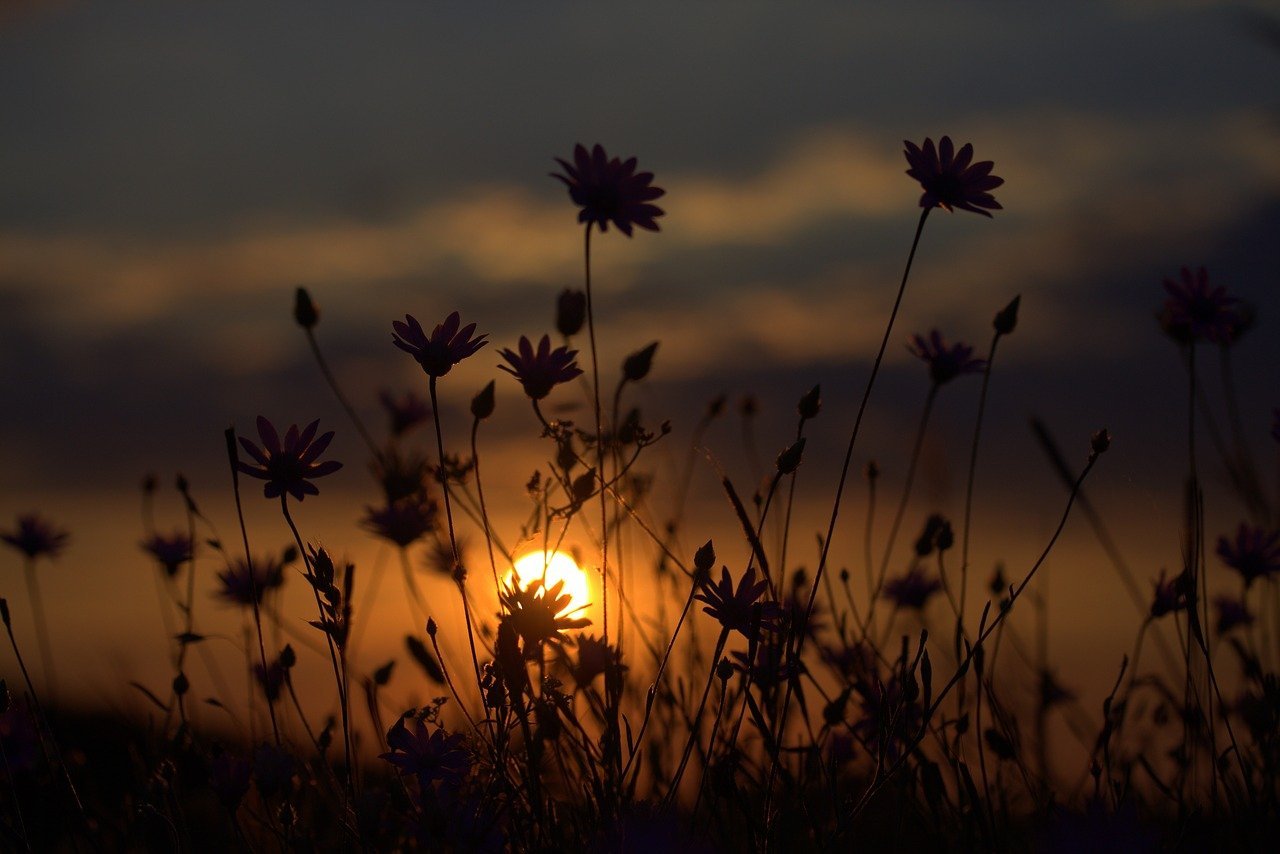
pixel 36 537
pixel 742 609
pixel 946 362
pixel 1254 554
pixel 911 590
pixel 429 755
pixel 449 343
pixel 1194 310
pixel 170 551
pixel 289 466
pixel 594 658
pixel 242 583
pixel 950 179
pixel 402 522
pixel 609 189
pixel 406 411
pixel 541 370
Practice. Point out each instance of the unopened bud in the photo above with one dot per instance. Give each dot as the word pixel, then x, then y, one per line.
pixel 288 658
pixel 811 404
pixel 705 557
pixel 584 485
pixel 431 626
pixel 304 310
pixel 1100 441
pixel 636 366
pixel 1007 317
pixel 571 312
pixel 872 471
pixel 181 685
pixel 149 484
pixel 716 406
pixel 724 670
pixel 482 403
pixel 789 460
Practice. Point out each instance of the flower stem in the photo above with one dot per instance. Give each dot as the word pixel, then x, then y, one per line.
pixel 42 628
pixel 342 398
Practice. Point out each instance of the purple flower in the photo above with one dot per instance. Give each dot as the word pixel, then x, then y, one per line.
pixel 1254 554
pixel 946 362
pixel 911 590
pixel 541 371
pixel 288 467
pixel 740 610
pixel 1195 311
pixel 406 411
pixel 171 551
pixel 1231 613
pixel 428 755
pixel 950 179
pixel 242 583
pixel 450 342
pixel 609 189
pixel 540 614
pixel 35 537
pixel 402 522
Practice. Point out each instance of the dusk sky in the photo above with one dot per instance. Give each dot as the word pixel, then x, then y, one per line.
pixel 169 173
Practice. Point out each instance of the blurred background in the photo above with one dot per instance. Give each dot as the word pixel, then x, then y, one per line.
pixel 169 173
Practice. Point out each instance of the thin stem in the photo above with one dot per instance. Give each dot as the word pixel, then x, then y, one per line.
pixel 693 730
pixel 42 628
pixel 968 489
pixel 484 511
pixel 342 399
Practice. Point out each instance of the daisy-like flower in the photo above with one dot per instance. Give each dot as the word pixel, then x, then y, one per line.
pixel 1254 554
pixel 170 552
pixel 736 610
pixel 289 466
pixel 242 583
pixel 945 361
pixel 429 755
pixel 406 411
pixel 1231 613
pixel 541 370
pixel 401 522
pixel 609 189
pixel 539 614
pixel 594 658
pixel 911 590
pixel 950 178
pixel 36 537
pixel 1194 310
pixel 449 343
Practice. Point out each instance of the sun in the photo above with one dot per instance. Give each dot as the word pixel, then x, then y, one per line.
pixel 558 567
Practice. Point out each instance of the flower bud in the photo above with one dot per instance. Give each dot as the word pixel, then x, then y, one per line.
pixel 181 685
pixel 304 310
pixel 571 312
pixel 584 485
pixel 1007 317
pixel 724 670
pixel 705 557
pixel 872 471
pixel 811 404
pixel 482 404
pixel 288 658
pixel 789 460
pixel 1100 441
pixel 636 366
pixel 431 626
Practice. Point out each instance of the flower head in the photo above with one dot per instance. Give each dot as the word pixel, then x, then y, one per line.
pixel 429 755
pixel 1196 311
pixel 242 583
pixel 402 522
pixel 406 411
pixel 1231 613
pixel 911 590
pixel 449 343
pixel 539 614
pixel 946 362
pixel 1170 594
pixel 1254 554
pixel 171 551
pixel 610 190
pixel 288 466
pixel 950 179
pixel 594 658
pixel 540 371
pixel 36 536
pixel 741 610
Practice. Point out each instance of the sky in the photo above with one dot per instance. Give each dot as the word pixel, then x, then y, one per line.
pixel 169 173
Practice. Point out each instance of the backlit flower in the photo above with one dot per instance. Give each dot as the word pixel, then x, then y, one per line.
pixel 950 179
pixel 540 371
pixel 1196 311
pixel 911 590
pixel 170 552
pixel 1170 594
pixel 36 537
pixel 945 361
pixel 1231 613
pixel 594 658
pixel 539 614
pixel 1254 554
pixel 401 522
pixel 429 755
pixel 449 343
pixel 610 190
pixel 289 466
pixel 242 583
pixel 406 411
pixel 742 609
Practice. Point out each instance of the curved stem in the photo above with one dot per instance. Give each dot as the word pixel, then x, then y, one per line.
pixel 342 398
pixel 968 489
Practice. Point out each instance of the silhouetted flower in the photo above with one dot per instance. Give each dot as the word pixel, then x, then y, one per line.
pixel 401 522
pixel 241 583
pixel 1196 311
pixel 946 362
pixel 401 476
pixel 610 190
pixel 740 610
pixel 540 614
pixel 1231 613
pixel 270 679
pixel 291 465
pixel 449 343
pixel 594 658
pixel 1053 692
pixel 429 755
pixel 541 371
pixel 1254 554
pixel 937 534
pixel 1170 595
pixel 406 411
pixel 171 551
pixel 950 179
pixel 571 312
pixel 911 590
pixel 36 537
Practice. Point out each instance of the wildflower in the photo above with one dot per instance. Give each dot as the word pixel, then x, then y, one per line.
pixel 482 404
pixel 609 189
pixel 1254 554
pixel 270 679
pixel 636 366
pixel 1170 595
pixel 1231 613
pixel 949 178
pixel 1053 692
pixel 447 346
pixel 406 411
pixel 171 551
pixel 571 312
pixel 541 371
pixel 242 584
pixel 1196 311
pixel 305 312
pixel 36 537
pixel 1006 319
pixel 439 557
pixel 539 614
pixel 594 657
pixel 911 590
pixel 401 522
pixel 945 362
pixel 739 610
pixel 937 534
pixel 401 476
pixel 288 467
pixel 429 756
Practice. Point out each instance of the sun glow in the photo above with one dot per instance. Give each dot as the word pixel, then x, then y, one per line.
pixel 558 566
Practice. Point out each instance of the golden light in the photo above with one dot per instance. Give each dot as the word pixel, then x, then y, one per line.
pixel 553 567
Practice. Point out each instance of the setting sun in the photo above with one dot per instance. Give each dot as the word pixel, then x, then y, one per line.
pixel 558 566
